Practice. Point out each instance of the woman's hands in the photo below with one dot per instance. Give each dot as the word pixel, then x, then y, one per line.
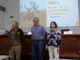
pixel 46 47
pixel 58 49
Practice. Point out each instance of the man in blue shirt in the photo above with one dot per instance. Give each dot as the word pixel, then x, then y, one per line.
pixel 38 35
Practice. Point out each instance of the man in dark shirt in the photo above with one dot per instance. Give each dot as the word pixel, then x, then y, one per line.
pixel 15 40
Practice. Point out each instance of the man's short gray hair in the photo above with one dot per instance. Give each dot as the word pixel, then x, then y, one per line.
pixel 36 18
pixel 16 22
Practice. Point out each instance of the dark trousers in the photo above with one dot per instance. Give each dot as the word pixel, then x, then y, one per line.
pixel 37 47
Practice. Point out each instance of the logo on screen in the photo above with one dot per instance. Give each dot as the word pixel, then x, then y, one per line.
pixel 52 2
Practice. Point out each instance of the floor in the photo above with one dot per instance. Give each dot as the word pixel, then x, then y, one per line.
pixel 6 57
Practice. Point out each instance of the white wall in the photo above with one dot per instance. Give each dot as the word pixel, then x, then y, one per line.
pixel 79 10
pixel 12 9
pixel 1 20
pixel 3 3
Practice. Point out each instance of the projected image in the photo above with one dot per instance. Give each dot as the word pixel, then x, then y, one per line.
pixel 30 9
pixel 64 12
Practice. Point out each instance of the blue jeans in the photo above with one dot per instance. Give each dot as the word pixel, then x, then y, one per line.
pixel 37 47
